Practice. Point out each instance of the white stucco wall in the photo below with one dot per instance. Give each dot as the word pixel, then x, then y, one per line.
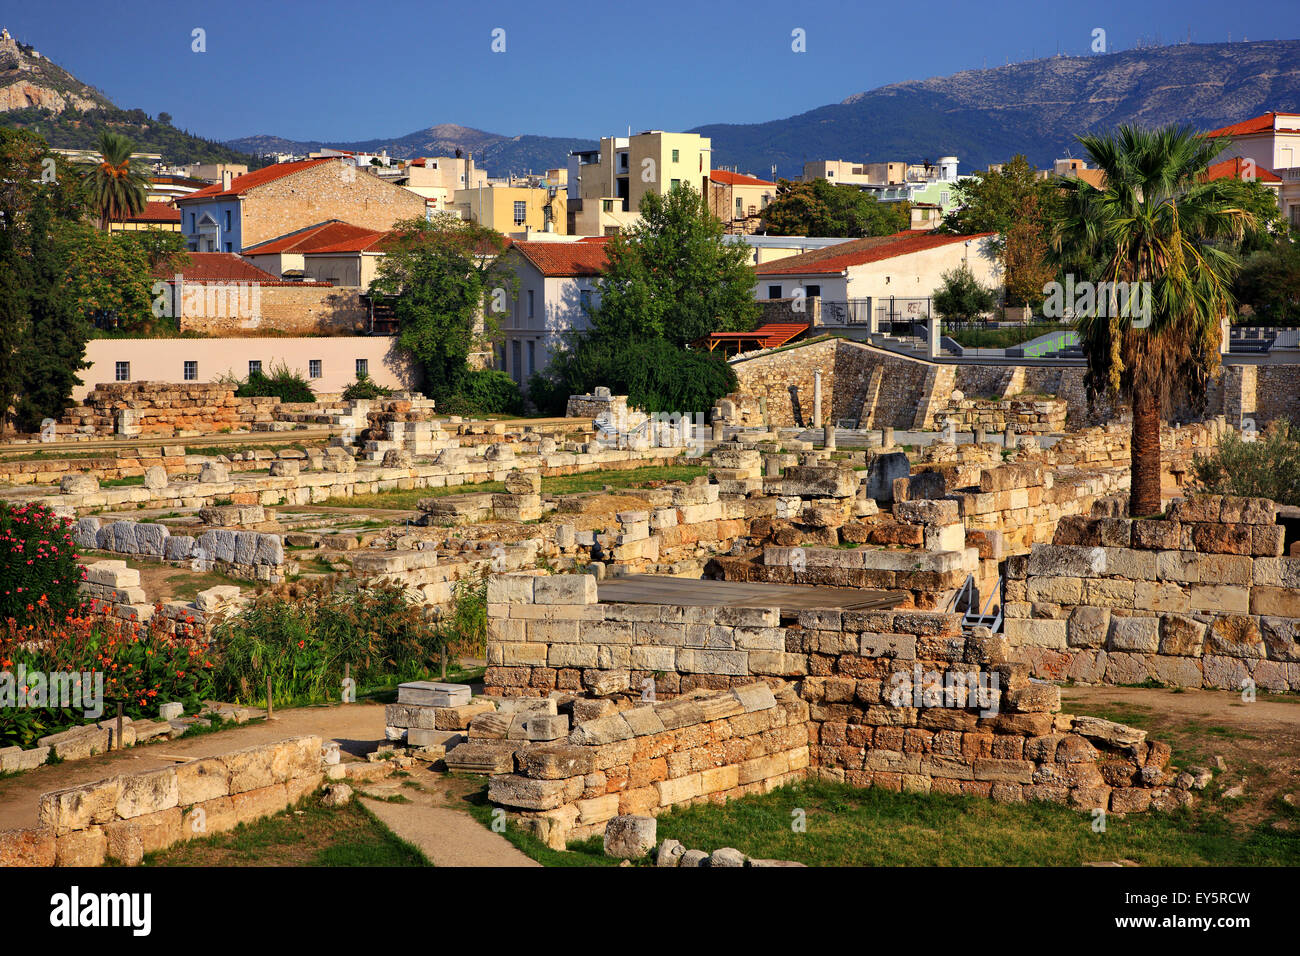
pixel 163 360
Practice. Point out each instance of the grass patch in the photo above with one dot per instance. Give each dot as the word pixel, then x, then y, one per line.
pixel 849 826
pixel 132 481
pixel 309 834
pixel 406 500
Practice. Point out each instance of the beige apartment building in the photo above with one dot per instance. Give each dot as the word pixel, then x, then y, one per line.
pixel 437 178
pixel 513 210
pixel 855 174
pixel 606 185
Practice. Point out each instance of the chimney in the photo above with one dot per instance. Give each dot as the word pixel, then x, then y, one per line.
pixel 227 177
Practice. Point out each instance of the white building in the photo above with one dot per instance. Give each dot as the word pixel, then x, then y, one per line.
pixel 557 289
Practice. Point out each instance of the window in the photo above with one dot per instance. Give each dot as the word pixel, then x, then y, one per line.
pixel 774 292
pixel 313 368
pixel 229 247
pixel 521 211
pixel 363 367
pixel 255 367
pixel 607 205
pixel 515 371
pixel 530 303
pixel 191 222
pixel 584 299
pixel 813 291
pixel 191 371
pixel 532 357
pixel 227 220
pixel 676 156
pixel 674 184
pixel 122 371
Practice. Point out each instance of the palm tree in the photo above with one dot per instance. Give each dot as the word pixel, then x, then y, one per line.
pixel 115 188
pixel 1157 225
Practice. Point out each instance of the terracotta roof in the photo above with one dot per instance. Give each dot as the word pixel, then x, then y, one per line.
pixel 1258 124
pixel 1233 169
pixel 260 177
pixel 565 258
pixel 218 267
pixel 154 212
pixel 333 235
pixel 857 252
pixel 736 179
pixel 769 336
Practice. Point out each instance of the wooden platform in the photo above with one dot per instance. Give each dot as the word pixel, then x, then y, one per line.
pixel 658 589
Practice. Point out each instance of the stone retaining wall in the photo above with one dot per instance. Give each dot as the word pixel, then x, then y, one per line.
pixel 709 746
pixel 124 817
pixel 1202 598
pixel 886 707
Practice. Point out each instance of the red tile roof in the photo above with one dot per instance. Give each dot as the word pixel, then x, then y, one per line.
pixel 1234 169
pixel 333 235
pixel 218 267
pixel 565 258
pixel 857 252
pixel 260 177
pixel 155 212
pixel 736 179
pixel 1258 124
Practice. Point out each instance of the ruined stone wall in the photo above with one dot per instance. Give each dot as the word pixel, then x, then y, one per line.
pixel 1023 416
pixel 164 409
pixel 1202 598
pixel 883 708
pixel 124 817
pixel 710 746
pixel 250 555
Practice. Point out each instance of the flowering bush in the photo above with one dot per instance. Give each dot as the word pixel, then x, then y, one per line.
pixel 143 665
pixel 38 560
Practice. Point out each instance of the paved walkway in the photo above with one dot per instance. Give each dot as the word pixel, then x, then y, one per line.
pixel 447 836
pixel 357 727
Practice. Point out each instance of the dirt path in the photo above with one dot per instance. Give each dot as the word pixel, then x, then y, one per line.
pixel 357 728
pixel 448 836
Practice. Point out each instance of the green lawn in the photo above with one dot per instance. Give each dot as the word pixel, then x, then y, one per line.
pixel 405 500
pixel 848 826
pixel 309 834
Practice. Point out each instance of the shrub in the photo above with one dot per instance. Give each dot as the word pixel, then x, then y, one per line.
pixel 142 665
pixel 364 388
pixel 1268 467
pixel 302 635
pixel 654 374
pixel 485 392
pixel 282 383
pixel 39 573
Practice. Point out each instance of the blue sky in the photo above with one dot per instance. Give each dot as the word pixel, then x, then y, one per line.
pixel 358 70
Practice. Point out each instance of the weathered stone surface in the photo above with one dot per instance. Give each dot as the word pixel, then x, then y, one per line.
pixel 630 837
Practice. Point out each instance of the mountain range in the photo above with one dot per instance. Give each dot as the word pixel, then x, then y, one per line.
pixel 985 116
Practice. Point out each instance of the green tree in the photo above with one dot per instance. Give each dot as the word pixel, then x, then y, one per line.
pixel 110 277
pixel 1269 282
pixel 822 208
pixel 42 343
pixel 674 277
pixel 54 348
pixel 961 298
pixel 439 274
pixel 671 281
pixel 114 187
pixel 1157 225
